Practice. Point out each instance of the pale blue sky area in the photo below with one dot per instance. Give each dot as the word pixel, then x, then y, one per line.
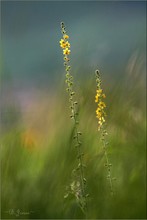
pixel 102 34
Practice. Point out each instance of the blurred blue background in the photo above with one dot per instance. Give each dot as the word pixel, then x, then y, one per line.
pixel 102 34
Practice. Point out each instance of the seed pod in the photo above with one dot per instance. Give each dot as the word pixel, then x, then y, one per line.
pixel 62 24
pixel 84 179
pixel 110 165
pixel 79 133
pixel 67 74
pixel 106 165
pixel 63 32
pixel 72 93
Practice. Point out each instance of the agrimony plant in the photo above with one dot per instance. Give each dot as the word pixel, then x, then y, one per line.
pixel 101 117
pixel 78 185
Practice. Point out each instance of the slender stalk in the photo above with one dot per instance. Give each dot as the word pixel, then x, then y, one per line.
pixel 78 187
pixel 101 115
pixel 108 165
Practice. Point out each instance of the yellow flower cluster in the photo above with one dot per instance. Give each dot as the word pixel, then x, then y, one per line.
pixel 100 112
pixel 65 45
pixel 101 115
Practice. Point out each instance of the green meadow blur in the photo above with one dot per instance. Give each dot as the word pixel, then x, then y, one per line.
pixel 37 149
pixel 38 155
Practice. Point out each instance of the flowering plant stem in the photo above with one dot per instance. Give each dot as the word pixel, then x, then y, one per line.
pixel 78 186
pixel 101 115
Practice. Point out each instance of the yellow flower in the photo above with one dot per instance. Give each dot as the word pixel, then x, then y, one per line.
pixel 98 113
pixel 101 105
pixel 98 110
pixel 62 43
pixel 103 95
pixel 66 51
pixel 65 36
pixel 96 98
pixel 67 44
pixel 99 91
pixel 103 120
pixel 100 122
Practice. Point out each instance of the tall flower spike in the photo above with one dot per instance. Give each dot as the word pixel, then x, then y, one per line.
pixel 101 116
pixel 78 185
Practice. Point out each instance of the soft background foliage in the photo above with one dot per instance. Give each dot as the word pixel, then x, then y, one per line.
pixel 36 131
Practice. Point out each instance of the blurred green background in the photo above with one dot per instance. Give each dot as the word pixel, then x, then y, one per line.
pixel 37 154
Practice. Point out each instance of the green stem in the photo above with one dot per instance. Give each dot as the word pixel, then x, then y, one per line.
pixel 78 144
pixel 107 164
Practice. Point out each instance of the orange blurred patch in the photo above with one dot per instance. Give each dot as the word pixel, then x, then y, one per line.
pixel 29 139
